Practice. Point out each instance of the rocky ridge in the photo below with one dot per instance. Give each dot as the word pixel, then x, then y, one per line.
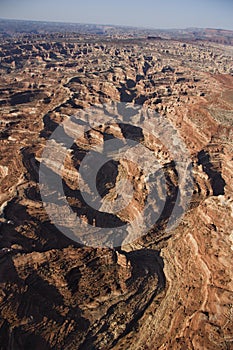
pixel 164 290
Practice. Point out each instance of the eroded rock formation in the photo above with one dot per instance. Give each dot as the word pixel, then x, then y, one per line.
pixel 165 290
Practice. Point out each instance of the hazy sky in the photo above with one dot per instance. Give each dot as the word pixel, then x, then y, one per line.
pixel 144 13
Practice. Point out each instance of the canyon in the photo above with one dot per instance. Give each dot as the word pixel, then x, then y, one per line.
pixel 166 289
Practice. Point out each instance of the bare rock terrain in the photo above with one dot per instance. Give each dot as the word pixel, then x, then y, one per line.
pixel 165 290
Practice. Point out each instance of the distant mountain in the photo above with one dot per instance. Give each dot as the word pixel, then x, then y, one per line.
pixel 13 27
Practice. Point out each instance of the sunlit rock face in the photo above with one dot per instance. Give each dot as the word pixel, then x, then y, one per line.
pixel 164 290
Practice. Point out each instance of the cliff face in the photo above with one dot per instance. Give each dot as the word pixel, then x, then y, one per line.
pixel 164 290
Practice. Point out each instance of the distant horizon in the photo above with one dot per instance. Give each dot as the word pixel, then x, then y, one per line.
pixel 112 25
pixel 149 14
